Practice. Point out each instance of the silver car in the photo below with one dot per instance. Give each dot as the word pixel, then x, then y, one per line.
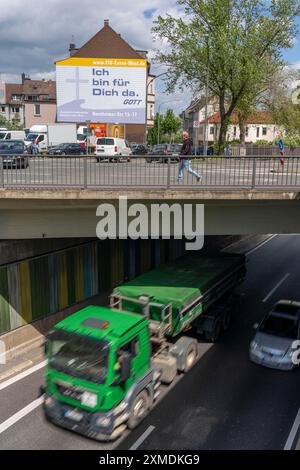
pixel 275 340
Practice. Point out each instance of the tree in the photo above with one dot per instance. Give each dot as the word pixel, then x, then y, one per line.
pixel 228 40
pixel 165 128
pixel 171 125
pixel 13 125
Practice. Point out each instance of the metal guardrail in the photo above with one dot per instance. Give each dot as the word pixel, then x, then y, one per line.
pixel 48 172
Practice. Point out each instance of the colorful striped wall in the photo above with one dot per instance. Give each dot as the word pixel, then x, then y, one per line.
pixel 41 286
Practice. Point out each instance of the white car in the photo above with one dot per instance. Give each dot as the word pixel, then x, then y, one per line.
pixel 112 149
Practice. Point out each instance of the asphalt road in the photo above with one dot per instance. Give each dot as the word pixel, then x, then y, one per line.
pixel 225 402
pixel 225 172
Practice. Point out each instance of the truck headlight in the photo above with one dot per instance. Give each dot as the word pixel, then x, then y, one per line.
pixel 103 422
pixel 49 401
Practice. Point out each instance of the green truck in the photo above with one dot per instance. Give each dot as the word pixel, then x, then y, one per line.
pixel 106 364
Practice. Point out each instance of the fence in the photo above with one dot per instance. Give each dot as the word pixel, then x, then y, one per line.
pixel 86 173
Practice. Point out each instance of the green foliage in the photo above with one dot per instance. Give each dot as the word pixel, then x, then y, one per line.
pixel 262 142
pixel 13 125
pixel 231 41
pixel 166 128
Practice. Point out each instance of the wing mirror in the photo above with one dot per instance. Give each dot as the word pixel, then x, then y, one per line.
pixel 256 326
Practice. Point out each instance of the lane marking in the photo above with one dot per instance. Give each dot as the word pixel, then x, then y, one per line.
pixel 22 375
pixel 293 433
pixel 142 438
pixel 261 245
pixel 20 414
pixel 16 369
pixel 276 287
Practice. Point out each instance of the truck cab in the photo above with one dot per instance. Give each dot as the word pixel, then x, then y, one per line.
pixel 98 366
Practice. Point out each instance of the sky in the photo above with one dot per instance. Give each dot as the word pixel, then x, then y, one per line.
pixel 35 33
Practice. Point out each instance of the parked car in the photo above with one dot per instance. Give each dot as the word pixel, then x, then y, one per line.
pixel 13 154
pixel 112 149
pixel 272 345
pixel 139 149
pixel 159 151
pixel 66 149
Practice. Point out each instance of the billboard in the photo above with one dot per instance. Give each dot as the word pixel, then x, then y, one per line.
pixel 101 90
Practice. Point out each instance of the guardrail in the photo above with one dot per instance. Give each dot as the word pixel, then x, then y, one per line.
pixel 85 172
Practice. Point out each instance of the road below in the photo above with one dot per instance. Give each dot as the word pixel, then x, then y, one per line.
pixel 225 402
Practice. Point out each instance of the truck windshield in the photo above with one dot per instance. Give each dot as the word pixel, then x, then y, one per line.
pixel 2 135
pixel 78 355
pixel 31 137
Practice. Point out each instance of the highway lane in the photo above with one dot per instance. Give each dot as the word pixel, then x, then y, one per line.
pixel 225 402
pixel 70 171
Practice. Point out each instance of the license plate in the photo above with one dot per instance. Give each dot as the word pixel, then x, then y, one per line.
pixel 74 415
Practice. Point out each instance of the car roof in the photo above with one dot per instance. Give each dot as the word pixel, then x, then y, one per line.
pixel 286 309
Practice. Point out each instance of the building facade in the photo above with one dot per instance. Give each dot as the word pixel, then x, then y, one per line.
pixel 107 43
pixel 29 102
pixel 260 125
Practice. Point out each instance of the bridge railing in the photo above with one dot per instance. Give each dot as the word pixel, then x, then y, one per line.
pixel 150 171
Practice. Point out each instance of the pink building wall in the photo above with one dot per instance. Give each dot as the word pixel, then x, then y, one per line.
pixel 47 114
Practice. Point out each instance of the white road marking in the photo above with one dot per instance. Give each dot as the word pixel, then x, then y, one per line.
pixel 293 433
pixel 142 438
pixel 22 375
pixel 276 287
pixel 261 245
pixel 20 414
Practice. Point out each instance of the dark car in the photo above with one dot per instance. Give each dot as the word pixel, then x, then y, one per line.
pixel 13 154
pixel 139 149
pixel 168 150
pixel 66 149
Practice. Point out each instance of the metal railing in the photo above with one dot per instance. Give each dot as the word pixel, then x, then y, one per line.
pixel 85 172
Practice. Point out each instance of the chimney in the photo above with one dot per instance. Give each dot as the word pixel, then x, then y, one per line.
pixel 72 49
pixel 106 22
pixel 23 76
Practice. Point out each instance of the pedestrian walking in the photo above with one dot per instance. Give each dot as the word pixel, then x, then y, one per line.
pixel 184 164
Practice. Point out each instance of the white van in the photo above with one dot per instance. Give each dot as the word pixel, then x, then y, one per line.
pixel 39 132
pixel 12 135
pixel 112 149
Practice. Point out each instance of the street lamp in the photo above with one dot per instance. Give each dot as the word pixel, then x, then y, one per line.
pixel 158 122
pixel 206 36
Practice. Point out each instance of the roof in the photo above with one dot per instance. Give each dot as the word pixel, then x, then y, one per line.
pixel 183 280
pixel 118 322
pixel 107 44
pixel 258 117
pixel 45 89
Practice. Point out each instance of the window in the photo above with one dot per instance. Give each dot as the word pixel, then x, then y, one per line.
pixel 247 131
pixel 212 130
pixel 3 109
pixel 132 347
pixel 257 132
pixel 16 97
pixel 37 109
pixel 264 131
pixel 15 109
pixel 234 131
pixel 41 138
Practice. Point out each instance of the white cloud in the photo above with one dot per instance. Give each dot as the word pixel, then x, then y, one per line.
pixel 34 34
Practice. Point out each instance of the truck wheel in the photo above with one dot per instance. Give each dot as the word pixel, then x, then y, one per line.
pixel 139 409
pixel 190 357
pixel 214 335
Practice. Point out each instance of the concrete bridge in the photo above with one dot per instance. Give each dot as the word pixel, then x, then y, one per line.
pixel 64 213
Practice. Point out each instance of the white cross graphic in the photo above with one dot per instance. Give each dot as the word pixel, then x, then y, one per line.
pixel 77 81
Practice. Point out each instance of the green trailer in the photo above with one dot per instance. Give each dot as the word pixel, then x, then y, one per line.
pixel 106 365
